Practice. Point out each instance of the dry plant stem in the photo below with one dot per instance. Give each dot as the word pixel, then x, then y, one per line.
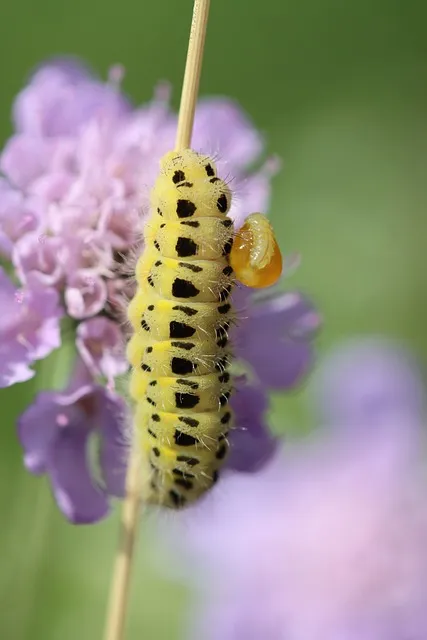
pixel 116 616
pixel 193 68
pixel 117 608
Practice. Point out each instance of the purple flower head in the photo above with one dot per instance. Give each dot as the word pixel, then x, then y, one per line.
pixel 74 189
pixel 29 328
pixel 328 540
pixel 61 97
pixel 55 433
pixel 78 170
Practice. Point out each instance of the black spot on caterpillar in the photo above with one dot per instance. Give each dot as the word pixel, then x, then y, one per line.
pixel 182 366
pixel 185 247
pixel 186 400
pixel 222 203
pixel 184 483
pixel 225 308
pixel 222 451
pixel 187 310
pixel 182 474
pixel 190 422
pixel 193 267
pixel 184 289
pixel 183 345
pixel 188 383
pixel 180 330
pixel 192 462
pixel 227 247
pixel 184 440
pixel 191 223
pixel 177 500
pixel 185 208
pixel 178 176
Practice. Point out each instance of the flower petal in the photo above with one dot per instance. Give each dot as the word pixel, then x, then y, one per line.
pixel 17 217
pixel 61 97
pixel 24 159
pixel 221 126
pixel 78 497
pixel 39 257
pixel 252 444
pixel 114 451
pixel 29 329
pixel 101 346
pixel 37 427
pixel 281 353
pixel 86 294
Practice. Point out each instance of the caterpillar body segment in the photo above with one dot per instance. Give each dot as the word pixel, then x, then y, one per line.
pixel 181 280
pixel 169 237
pixel 181 315
pixel 162 318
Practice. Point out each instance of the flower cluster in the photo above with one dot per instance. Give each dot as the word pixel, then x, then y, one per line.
pixel 328 540
pixel 74 191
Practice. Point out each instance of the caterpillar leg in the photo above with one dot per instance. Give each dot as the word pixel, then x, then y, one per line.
pixel 255 256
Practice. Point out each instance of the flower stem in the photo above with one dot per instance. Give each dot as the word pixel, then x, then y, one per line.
pixel 119 595
pixel 193 69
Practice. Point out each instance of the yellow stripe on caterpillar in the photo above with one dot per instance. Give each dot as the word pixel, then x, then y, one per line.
pixel 196 280
pixel 168 393
pixel 188 187
pixel 162 319
pixel 211 237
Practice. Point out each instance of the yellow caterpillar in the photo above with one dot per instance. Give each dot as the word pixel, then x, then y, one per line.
pixel 181 315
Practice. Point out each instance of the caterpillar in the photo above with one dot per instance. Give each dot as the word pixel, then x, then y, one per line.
pixel 181 315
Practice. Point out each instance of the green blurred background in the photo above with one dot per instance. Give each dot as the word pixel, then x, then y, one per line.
pixel 340 90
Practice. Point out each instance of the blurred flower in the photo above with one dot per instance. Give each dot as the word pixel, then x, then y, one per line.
pixel 275 337
pixel 55 433
pixel 389 390
pixel 73 198
pixel 274 343
pixel 328 540
pixel 29 328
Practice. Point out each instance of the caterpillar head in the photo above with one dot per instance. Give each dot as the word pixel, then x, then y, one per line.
pixel 188 187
